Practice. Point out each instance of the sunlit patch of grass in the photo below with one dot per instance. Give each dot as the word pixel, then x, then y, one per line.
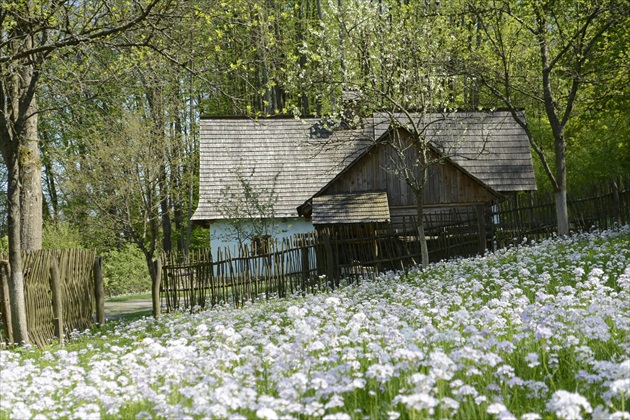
pixel 126 298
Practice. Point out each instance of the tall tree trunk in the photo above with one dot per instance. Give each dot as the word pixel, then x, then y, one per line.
pixel 18 132
pixel 16 279
pixel 31 184
pixel 562 210
pixel 557 127
pixel 51 212
pixel 167 244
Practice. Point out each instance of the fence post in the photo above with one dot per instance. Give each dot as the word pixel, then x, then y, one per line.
pixel 481 227
pixel 617 203
pixel 6 304
pixel 99 291
pixel 330 263
pixel 306 272
pixel 155 289
pixel 57 299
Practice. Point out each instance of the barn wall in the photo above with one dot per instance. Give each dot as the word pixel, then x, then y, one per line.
pixel 446 183
pixel 403 218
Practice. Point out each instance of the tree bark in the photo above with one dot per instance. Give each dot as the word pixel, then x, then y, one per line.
pixel 422 238
pixel 155 288
pixel 31 184
pixel 16 278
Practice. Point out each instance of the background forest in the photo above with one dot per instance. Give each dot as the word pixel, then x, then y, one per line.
pixel 116 115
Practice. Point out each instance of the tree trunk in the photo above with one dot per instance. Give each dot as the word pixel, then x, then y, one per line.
pixel 16 278
pixel 165 211
pixel 422 238
pixel 557 127
pixel 562 211
pixel 31 185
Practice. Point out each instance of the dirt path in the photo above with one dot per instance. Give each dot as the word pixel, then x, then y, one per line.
pixel 114 310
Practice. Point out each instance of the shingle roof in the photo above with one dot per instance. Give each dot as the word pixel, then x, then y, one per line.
pixel 491 146
pixel 286 158
pixel 292 160
pixel 365 207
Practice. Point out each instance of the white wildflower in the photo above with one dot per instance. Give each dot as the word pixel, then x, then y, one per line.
pixel 266 414
pixel 418 402
pixel 621 387
pixel 568 406
pixel 532 360
pixel 337 416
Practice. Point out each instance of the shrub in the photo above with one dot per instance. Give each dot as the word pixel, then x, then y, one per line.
pixel 125 271
pixel 61 235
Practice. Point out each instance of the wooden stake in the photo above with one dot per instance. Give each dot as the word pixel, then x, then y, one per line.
pixel 99 291
pixel 481 226
pixel 57 299
pixel 155 289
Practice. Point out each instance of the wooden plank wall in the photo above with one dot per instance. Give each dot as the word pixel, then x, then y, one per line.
pixel 76 275
pixel 376 171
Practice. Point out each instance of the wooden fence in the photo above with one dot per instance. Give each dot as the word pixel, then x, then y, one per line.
pixel 309 263
pixel 200 278
pixel 533 215
pixel 60 287
pixel 303 264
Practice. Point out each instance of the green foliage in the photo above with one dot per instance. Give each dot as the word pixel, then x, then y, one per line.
pixel 600 145
pixel 61 235
pixel 199 238
pixel 125 271
pixel 4 244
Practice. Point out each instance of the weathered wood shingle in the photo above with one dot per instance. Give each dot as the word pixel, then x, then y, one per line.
pixel 365 207
pixel 292 160
pixel 285 158
pixel 491 146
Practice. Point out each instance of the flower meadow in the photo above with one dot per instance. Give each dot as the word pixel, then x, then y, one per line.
pixel 537 331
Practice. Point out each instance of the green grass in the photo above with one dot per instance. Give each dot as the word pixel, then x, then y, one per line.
pixel 125 298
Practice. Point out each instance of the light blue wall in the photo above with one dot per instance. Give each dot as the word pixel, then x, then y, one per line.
pixel 284 228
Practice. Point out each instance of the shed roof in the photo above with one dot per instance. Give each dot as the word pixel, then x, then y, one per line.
pixel 287 160
pixel 363 207
pixel 290 160
pixel 491 146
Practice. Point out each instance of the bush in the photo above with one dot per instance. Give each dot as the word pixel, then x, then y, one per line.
pixel 125 271
pixel 61 235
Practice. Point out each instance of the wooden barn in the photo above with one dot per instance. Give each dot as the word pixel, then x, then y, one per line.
pixel 477 158
pixel 316 176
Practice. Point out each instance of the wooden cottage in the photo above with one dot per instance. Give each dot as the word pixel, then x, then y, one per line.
pixel 313 175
